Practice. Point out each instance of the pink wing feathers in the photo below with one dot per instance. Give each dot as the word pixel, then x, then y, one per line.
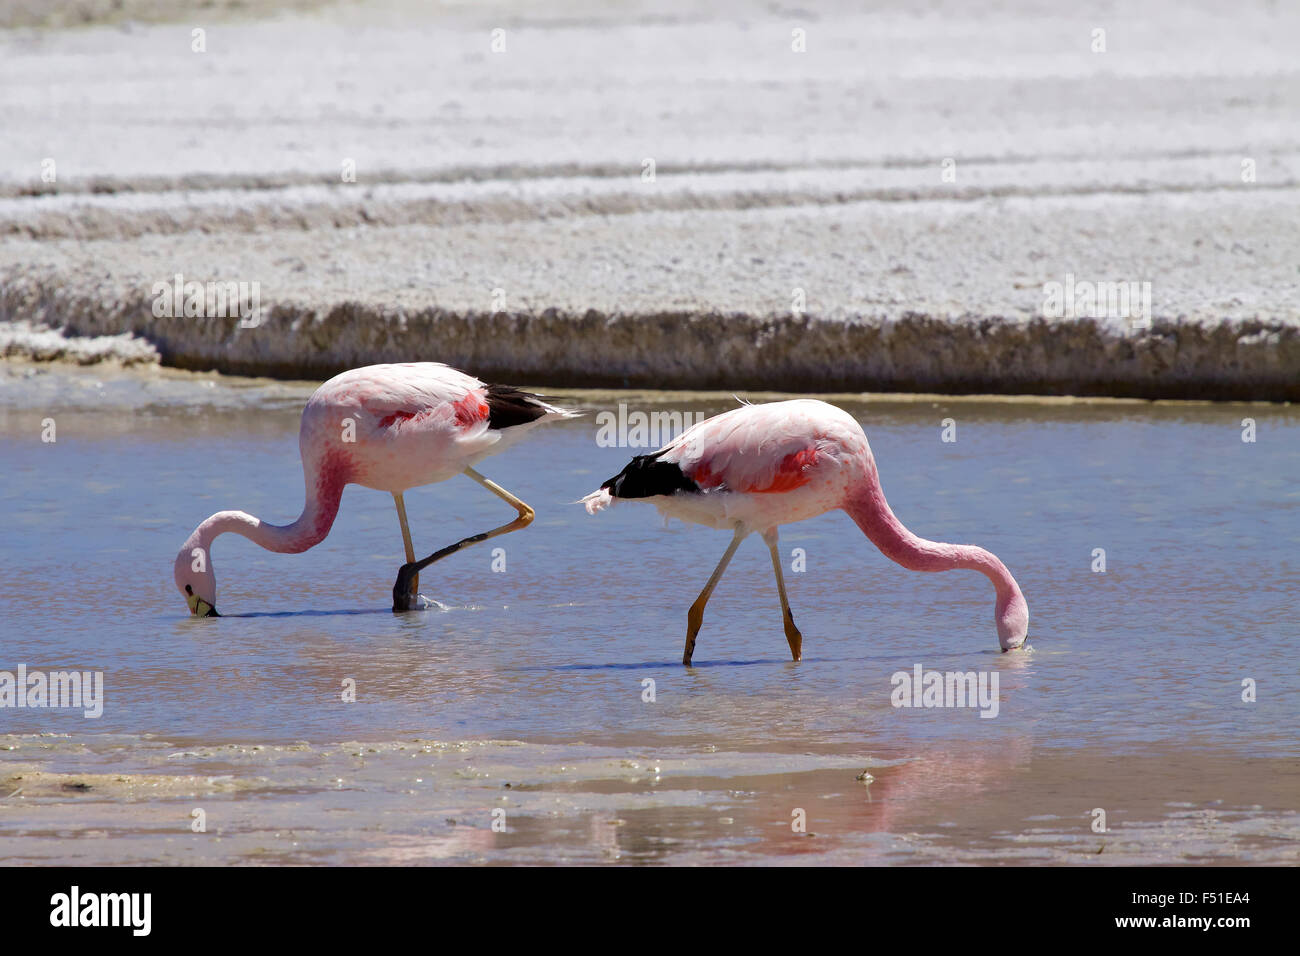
pixel 426 394
pixel 754 449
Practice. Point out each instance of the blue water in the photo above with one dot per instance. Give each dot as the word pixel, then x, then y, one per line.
pixel 1200 531
pixel 526 690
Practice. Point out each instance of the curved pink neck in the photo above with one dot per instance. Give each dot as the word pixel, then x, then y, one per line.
pixel 324 492
pixel 869 509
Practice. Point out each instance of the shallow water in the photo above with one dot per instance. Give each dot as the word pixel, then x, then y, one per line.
pixel 523 691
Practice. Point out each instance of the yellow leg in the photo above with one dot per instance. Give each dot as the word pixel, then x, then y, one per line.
pixel 526 514
pixel 695 616
pixel 402 591
pixel 406 537
pixel 792 635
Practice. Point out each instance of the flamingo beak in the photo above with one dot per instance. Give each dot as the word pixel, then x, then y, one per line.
pixel 198 606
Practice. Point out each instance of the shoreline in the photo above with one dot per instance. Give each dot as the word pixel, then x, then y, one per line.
pixel 1231 361
pixel 420 799
pixel 17 365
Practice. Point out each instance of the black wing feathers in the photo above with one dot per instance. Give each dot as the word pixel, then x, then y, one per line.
pixel 508 406
pixel 645 477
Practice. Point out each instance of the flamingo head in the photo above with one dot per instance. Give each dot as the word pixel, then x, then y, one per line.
pixel 1012 615
pixel 196 581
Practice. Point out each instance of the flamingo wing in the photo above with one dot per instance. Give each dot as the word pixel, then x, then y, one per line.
pixel 755 449
pixel 419 392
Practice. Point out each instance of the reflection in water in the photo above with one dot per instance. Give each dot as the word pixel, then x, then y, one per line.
pixel 309 613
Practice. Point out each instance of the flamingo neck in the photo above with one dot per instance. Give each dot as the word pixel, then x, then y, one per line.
pixel 867 506
pixel 324 492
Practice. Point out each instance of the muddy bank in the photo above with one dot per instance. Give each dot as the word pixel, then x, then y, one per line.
pixel 915 353
pixel 937 296
pixel 421 801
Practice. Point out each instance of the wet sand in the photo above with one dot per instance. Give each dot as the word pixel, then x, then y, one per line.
pixel 431 802
pixel 523 691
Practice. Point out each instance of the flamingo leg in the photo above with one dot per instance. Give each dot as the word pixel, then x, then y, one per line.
pixel 792 635
pixel 695 616
pixel 406 538
pixel 402 591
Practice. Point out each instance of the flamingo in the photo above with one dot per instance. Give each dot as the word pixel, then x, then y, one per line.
pixel 387 427
pixel 757 467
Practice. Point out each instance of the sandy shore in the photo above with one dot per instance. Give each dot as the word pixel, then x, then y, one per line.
pixel 500 219
pixel 422 802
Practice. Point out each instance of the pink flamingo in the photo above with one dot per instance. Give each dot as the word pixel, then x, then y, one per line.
pixel 760 466
pixel 387 427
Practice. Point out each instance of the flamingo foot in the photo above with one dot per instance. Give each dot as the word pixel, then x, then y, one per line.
pixel 406 590
pixel 694 618
pixel 794 638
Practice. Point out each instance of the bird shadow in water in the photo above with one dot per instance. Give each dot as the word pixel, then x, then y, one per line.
pixel 312 613
pixel 660 665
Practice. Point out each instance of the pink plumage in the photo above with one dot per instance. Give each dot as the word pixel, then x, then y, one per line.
pixel 387 427
pixel 757 467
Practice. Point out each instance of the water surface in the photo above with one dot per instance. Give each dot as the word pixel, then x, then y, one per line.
pixel 523 690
